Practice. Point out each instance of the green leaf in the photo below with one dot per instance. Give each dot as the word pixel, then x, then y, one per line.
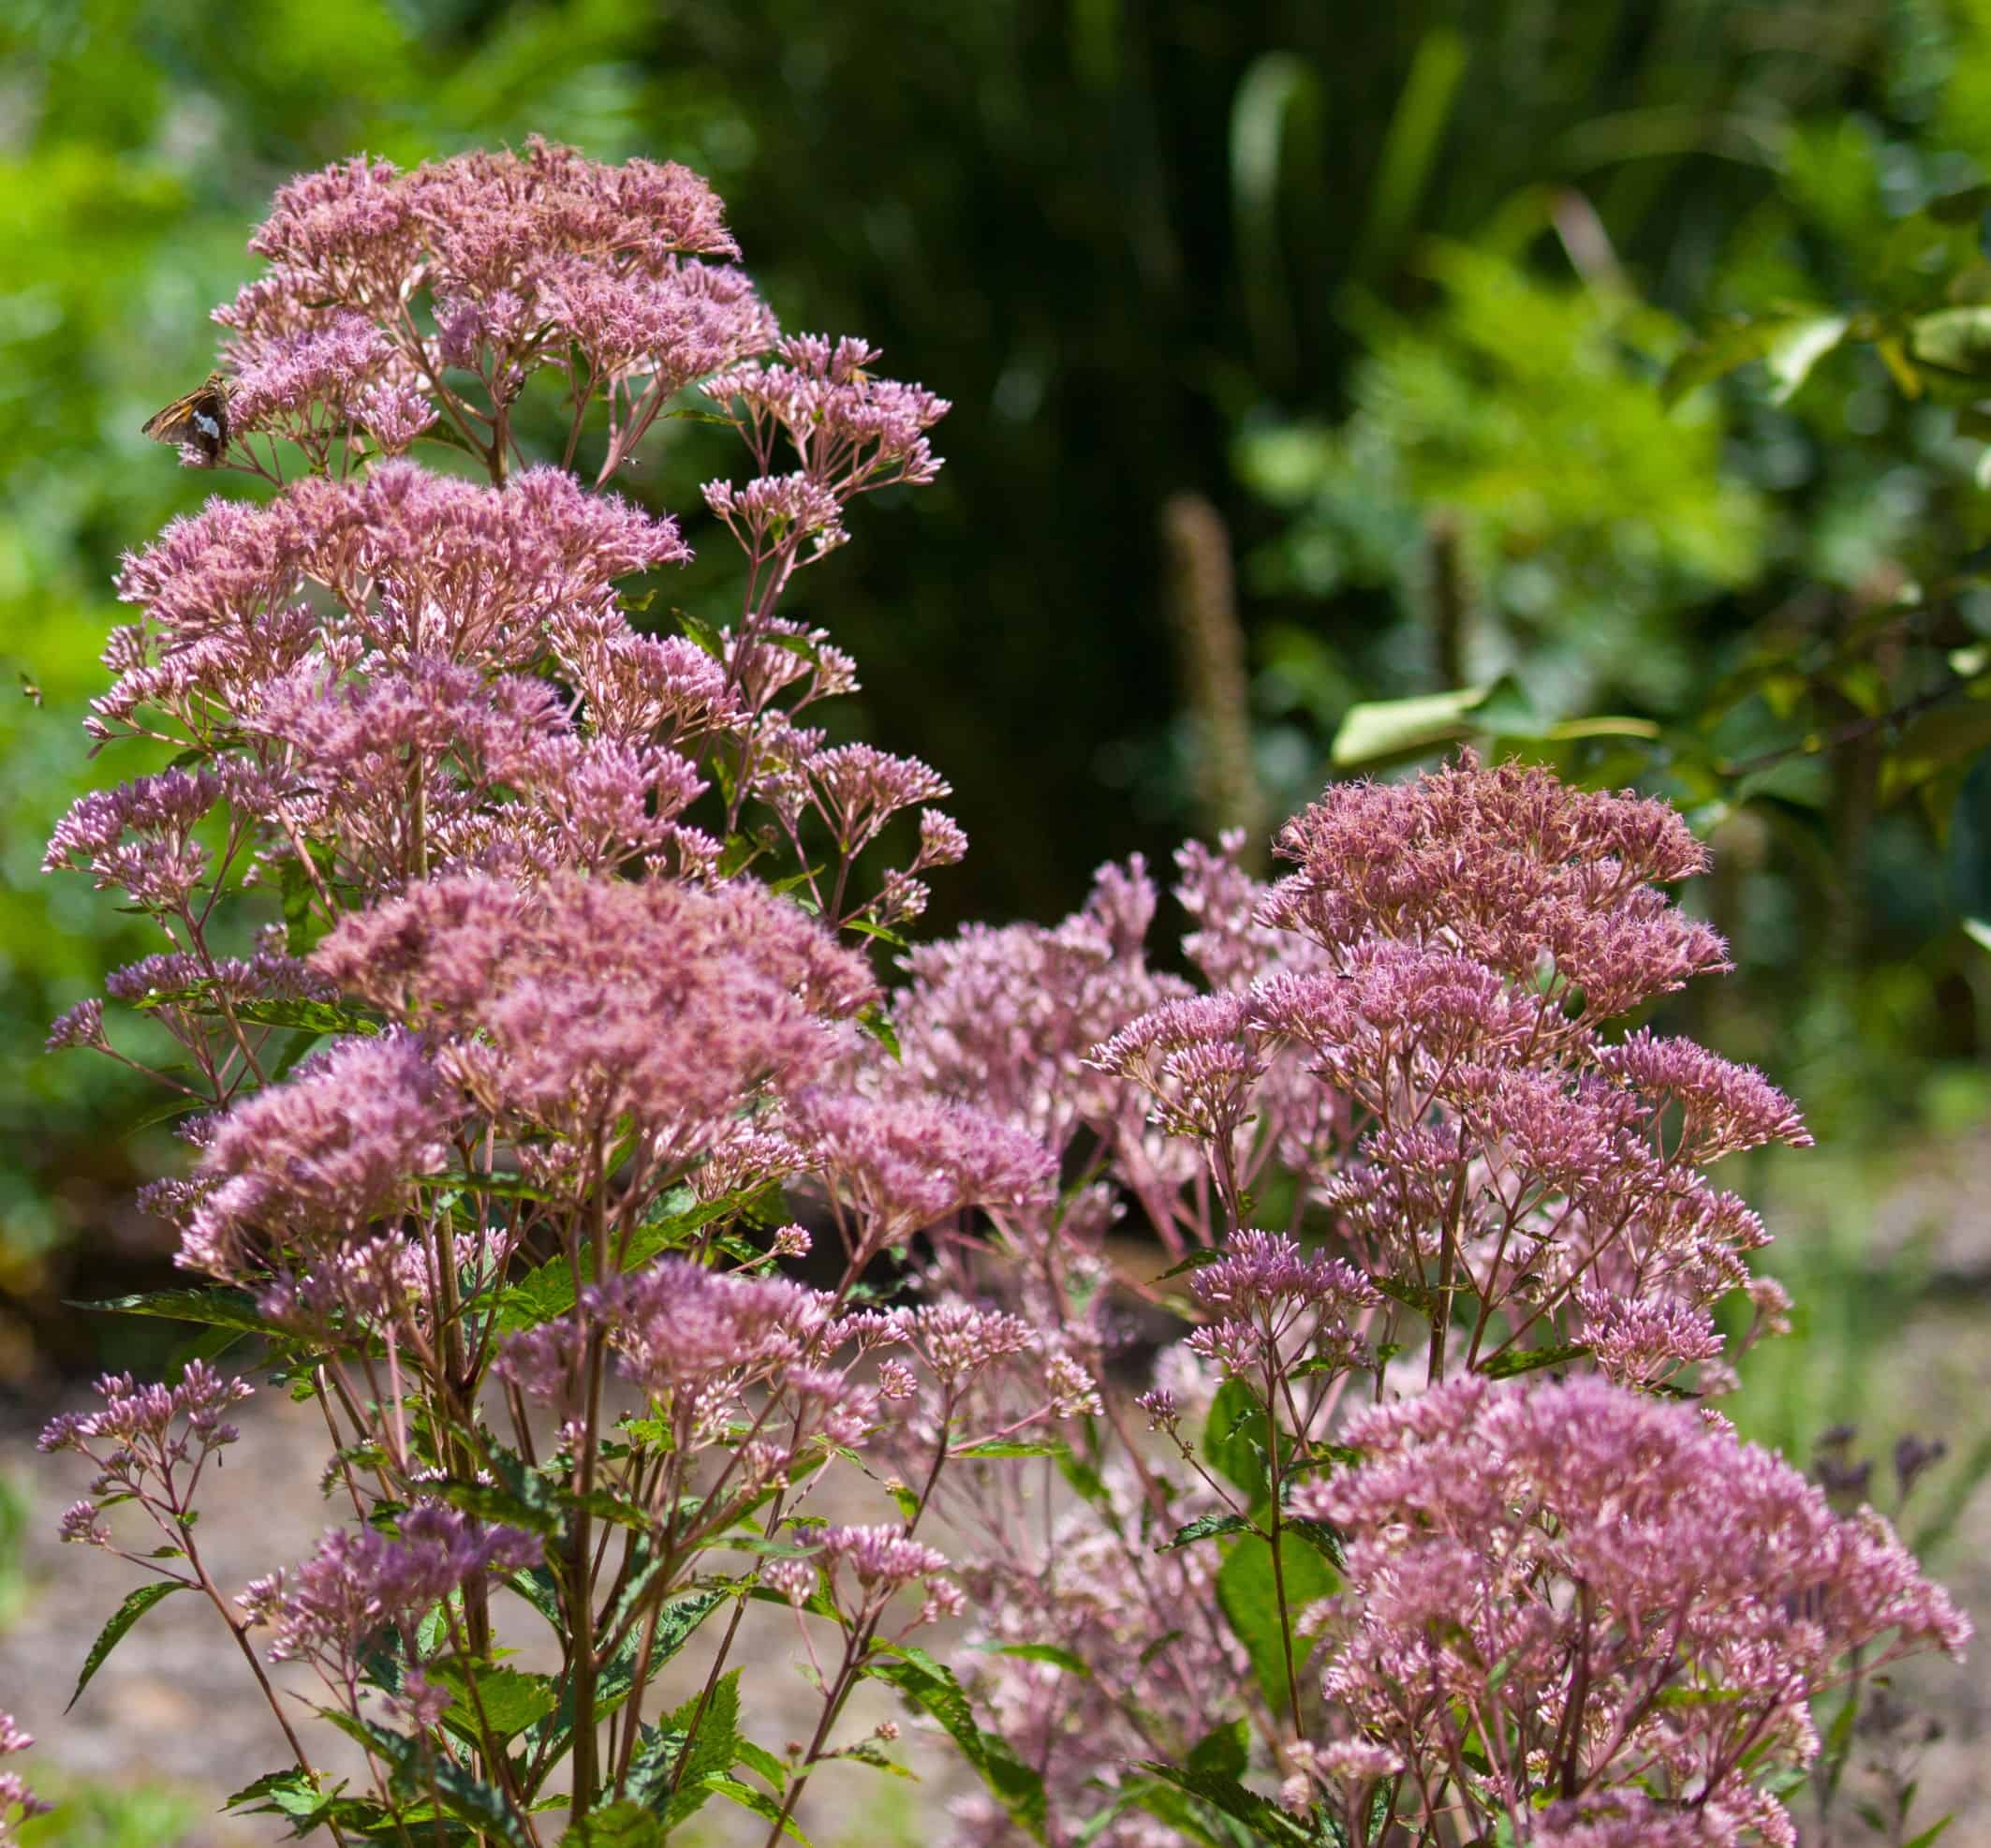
pixel 1720 351
pixel 295 1794
pixel 114 1633
pixel 1527 1360
pixel 416 1766
pixel 1795 348
pixel 996 1447
pixel 865 1752
pixel 1234 1439
pixel 877 1023
pixel 1195 1260
pixel 623 1825
pixel 763 1763
pixel 548 1291
pixel 1929 1835
pixel 1956 339
pixel 762 1805
pixel 703 633
pixel 302 927
pixel 865 927
pixel 509 1699
pixel 216 1308
pixel 1377 731
pixel 1247 1592
pixel 1203 1528
pixel 714 1748
pixel 1039 1652
pixel 1323 1539
pixel 929 1685
pixel 1259 1815
pixel 1419 1296
pixel 1225 1749
pixel 530 1506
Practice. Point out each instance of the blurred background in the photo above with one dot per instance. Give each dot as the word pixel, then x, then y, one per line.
pixel 1604 381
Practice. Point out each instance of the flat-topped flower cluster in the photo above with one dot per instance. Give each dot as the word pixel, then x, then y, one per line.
pixel 528 979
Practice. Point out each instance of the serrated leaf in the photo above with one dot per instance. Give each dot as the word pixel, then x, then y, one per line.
pixel 216 1308
pixel 712 1750
pixel 865 1752
pixel 418 1769
pixel 933 1688
pixel 536 1513
pixel 1204 1527
pixel 113 1632
pixel 759 1801
pixel 762 1763
pixel 622 1825
pixel 998 1447
pixel 1259 1815
pixel 507 1699
pixel 1419 1296
pixel 1528 1360
pixel 1323 1539
pixel 1224 1749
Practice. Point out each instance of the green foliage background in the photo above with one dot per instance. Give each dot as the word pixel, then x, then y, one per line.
pixel 1396 291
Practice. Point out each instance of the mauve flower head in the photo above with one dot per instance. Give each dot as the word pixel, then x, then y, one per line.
pixel 1640 1342
pixel 284 383
pixel 17 1801
pixel 1006 1019
pixel 901 1166
pixel 1197 1058
pixel 133 1416
pixel 317 1157
pixel 329 1607
pixel 679 1328
pixel 1497 1527
pixel 674 326
pixel 881 1559
pixel 1724 1107
pixel 414 564
pixel 857 788
pixel 851 431
pixel 762 513
pixel 1263 1290
pixel 141 835
pixel 1509 867
pixel 480 226
pixel 80 1025
pixel 590 999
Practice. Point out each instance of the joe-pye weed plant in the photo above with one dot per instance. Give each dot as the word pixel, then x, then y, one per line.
pixel 521 965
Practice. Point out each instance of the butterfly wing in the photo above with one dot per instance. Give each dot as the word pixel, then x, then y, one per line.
pixel 175 424
pixel 198 422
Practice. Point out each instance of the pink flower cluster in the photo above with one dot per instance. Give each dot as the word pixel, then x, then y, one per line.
pixel 567 1041
pixel 1601 1591
pixel 17 1801
pixel 334 1605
